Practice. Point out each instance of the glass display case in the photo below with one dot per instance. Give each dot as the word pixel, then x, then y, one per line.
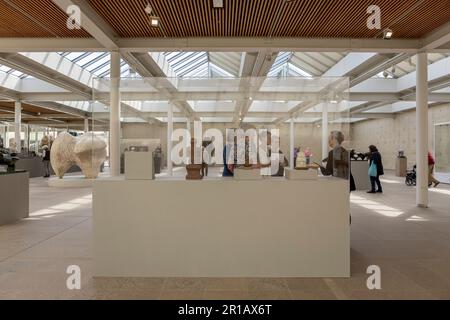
pixel 235 123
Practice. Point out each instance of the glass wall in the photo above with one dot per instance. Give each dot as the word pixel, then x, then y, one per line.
pixel 306 120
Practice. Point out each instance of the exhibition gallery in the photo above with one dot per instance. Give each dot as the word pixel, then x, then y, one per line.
pixel 224 149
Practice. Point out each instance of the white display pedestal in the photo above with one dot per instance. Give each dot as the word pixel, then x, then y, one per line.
pixel 360 172
pixel 247 174
pixel 74 181
pixel 221 228
pixel 139 166
pixel 310 174
pixel 401 167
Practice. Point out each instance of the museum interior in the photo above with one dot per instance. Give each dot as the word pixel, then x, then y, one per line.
pixel 225 149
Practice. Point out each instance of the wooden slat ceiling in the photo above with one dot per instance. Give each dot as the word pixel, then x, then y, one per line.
pixel 27 108
pixel 34 18
pixel 258 18
pixel 239 18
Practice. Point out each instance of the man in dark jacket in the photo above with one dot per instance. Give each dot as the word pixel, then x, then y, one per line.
pixel 338 159
pixel 375 157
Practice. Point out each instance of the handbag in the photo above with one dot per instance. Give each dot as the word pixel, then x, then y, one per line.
pixel 373 170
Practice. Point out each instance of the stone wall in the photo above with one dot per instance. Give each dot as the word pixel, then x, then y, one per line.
pixel 399 133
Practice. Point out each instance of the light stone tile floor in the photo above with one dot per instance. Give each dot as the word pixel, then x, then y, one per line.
pixel 411 245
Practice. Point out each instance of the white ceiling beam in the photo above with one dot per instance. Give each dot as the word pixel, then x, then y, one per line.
pixel 437 38
pixel 384 62
pixel 92 22
pixel 40 71
pixel 216 96
pixel 8 94
pixel 253 65
pixel 348 64
pixel 13 45
pixel 437 70
pixel 105 41
pixel 276 44
pixel 58 107
pixel 155 65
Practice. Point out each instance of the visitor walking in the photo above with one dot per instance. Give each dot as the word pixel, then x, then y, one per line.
pixel 431 178
pixel 375 169
pixel 46 160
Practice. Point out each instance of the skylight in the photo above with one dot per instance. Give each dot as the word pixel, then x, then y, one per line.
pixel 13 72
pixel 97 63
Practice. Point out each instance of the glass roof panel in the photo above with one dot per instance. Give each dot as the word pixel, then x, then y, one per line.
pixel 97 63
pixel 14 72
pixel 188 64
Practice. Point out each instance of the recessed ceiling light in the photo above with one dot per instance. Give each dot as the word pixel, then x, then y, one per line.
pixel 154 21
pixel 218 4
pixel 387 33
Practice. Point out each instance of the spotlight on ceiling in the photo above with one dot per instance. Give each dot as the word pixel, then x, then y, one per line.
pixel 387 33
pixel 154 19
pixel 218 4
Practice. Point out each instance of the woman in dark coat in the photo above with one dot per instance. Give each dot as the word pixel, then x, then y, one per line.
pixel 375 157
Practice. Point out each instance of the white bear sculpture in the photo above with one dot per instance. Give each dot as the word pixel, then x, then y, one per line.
pixel 87 151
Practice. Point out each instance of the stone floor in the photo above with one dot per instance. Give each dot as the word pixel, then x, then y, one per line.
pixel 411 246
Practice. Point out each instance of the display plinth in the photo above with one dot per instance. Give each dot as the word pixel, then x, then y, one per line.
pixel 360 172
pixel 73 181
pixel 401 166
pixel 14 197
pixel 293 174
pixel 247 174
pixel 221 228
pixel 139 166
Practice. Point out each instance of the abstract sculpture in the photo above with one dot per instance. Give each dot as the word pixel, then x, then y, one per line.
pixel 90 153
pixel 87 151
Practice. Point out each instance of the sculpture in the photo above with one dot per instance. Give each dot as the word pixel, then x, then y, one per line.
pixel 90 153
pixel 87 151
pixel 193 170
pixel 62 156
pixel 8 159
pixel 359 156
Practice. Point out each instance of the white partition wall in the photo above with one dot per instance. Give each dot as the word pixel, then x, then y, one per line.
pixel 252 128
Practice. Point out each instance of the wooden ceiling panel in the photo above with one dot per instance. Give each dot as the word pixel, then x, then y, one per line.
pixel 34 18
pixel 238 18
pixel 277 18
pixel 28 108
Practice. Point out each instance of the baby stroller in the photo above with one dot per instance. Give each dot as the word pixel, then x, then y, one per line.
pixel 411 177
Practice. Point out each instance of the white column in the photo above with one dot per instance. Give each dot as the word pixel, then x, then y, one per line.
pixel 169 139
pixel 422 129
pixel 17 125
pixel 114 140
pixel 188 138
pixel 86 125
pixel 292 143
pixel 324 131
pixel 27 137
